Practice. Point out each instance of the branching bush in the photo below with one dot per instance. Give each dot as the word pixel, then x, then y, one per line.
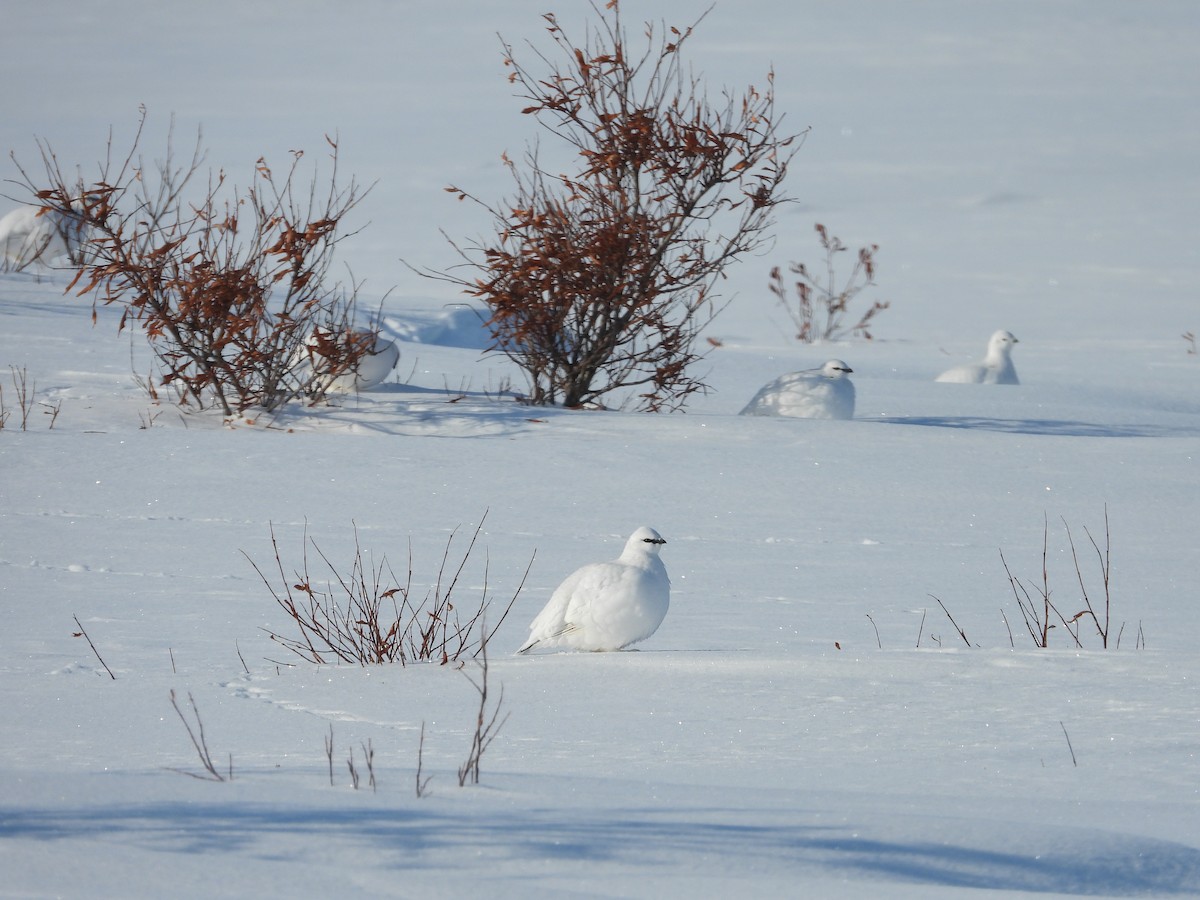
pixel 820 306
pixel 365 615
pixel 603 279
pixel 228 284
pixel 1042 615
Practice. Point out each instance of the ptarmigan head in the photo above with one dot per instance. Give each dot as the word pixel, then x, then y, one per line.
pixel 1000 346
pixel 835 369
pixel 643 542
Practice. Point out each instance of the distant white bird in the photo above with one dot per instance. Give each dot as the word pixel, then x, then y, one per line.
pixel 374 366
pixel 996 367
pixel 26 237
pixel 824 393
pixel 609 605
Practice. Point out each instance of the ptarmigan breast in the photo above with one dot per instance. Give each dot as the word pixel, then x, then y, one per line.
pixel 824 393
pixel 609 605
pixel 995 368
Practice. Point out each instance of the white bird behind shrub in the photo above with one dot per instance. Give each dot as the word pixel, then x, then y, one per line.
pixel 824 393
pixel 609 605
pixel 27 237
pixel 374 366
pixel 996 367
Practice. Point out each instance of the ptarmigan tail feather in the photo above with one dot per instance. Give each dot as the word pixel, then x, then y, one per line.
pixel 529 645
pixel 554 635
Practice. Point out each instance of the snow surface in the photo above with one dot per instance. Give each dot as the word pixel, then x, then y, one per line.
pixel 1024 163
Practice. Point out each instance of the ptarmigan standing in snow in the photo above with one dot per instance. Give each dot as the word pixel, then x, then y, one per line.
pixel 609 605
pixel 824 393
pixel 996 368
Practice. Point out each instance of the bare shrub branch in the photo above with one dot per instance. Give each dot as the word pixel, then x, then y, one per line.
pixel 366 615
pixel 487 724
pixel 24 392
pixel 1038 611
pixel 601 280
pixel 83 634
pixel 962 634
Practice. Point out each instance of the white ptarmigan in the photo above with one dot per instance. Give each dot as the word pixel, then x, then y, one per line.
pixel 608 605
pixel 996 367
pixel 824 393
pixel 30 234
pixel 378 359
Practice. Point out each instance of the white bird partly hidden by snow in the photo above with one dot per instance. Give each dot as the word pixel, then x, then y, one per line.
pixel 996 367
pixel 26 237
pixel 609 605
pixel 824 393
pixel 374 365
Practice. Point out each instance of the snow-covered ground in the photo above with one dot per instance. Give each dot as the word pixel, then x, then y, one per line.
pixel 807 721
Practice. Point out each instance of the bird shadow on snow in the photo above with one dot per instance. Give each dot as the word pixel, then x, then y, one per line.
pixel 1031 858
pixel 1059 427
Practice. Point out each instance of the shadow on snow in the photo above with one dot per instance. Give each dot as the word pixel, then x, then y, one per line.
pixel 1031 858
pixel 1060 427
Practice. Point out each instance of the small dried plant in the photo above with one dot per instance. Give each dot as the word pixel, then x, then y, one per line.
pixel 821 304
pixel 200 743
pixel 24 391
pixel 487 723
pixel 1042 615
pixel 365 615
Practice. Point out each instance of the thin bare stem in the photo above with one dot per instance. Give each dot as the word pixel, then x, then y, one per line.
pixel 83 633
pixel 329 752
pixel 200 743
pixel 878 642
pixel 422 783
pixel 962 634
pixel 1074 761
pixel 486 726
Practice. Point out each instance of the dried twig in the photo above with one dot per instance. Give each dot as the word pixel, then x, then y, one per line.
pixel 422 783
pixel 329 752
pixel 1074 761
pixel 200 743
pixel 486 727
pixel 962 634
pixel 25 392
pixel 369 756
pixel 83 634
pixel 878 642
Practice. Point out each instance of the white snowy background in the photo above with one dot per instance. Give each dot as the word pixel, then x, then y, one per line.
pixel 1027 166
